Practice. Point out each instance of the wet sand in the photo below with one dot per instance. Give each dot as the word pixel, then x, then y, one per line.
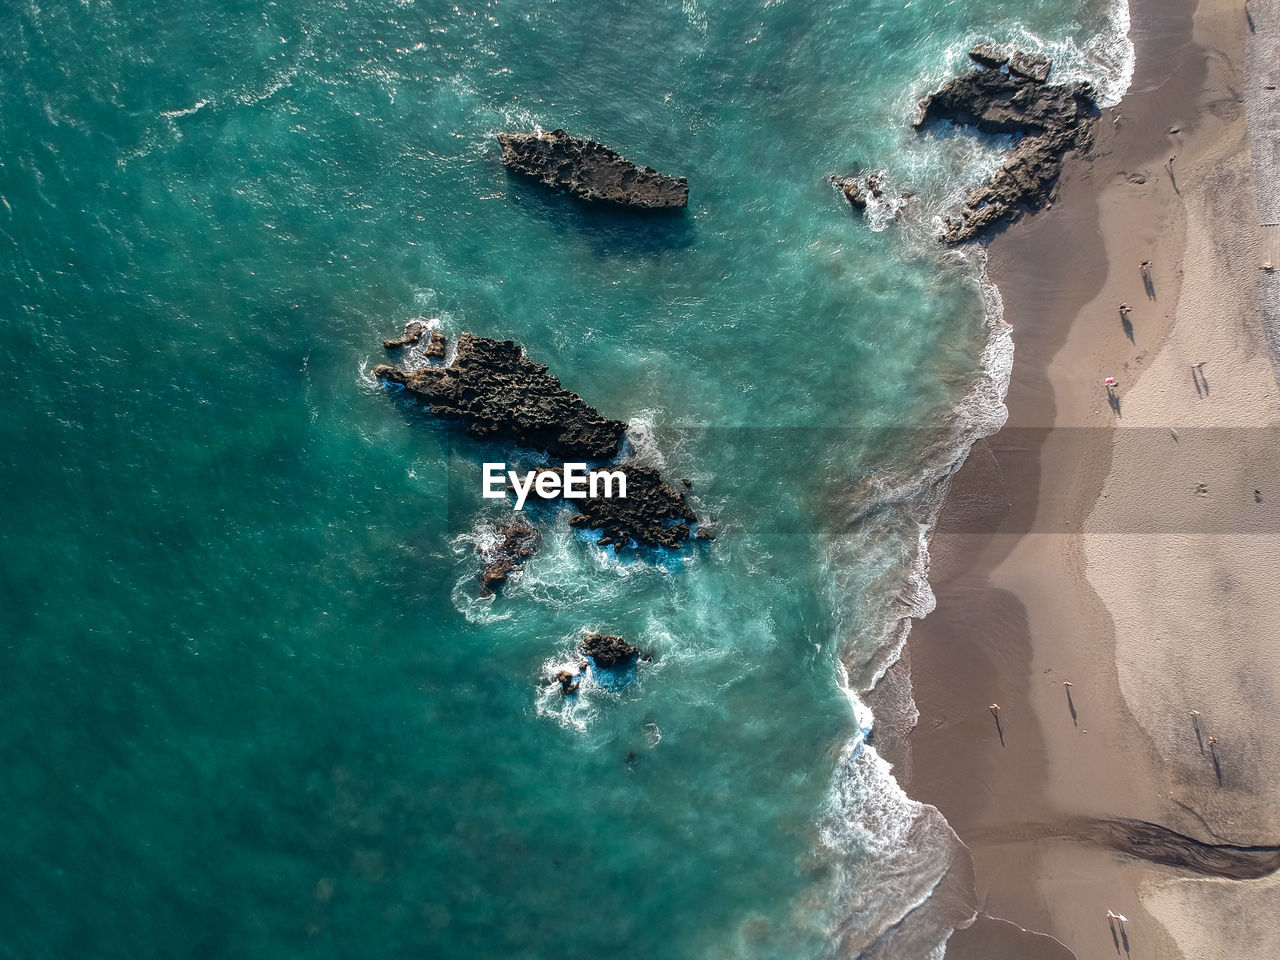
pixel 1120 546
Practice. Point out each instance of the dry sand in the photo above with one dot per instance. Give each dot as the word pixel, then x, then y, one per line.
pixel 1094 546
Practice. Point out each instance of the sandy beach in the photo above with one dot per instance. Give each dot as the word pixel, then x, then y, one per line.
pixel 1106 565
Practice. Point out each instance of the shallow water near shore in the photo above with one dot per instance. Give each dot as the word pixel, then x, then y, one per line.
pixel 254 705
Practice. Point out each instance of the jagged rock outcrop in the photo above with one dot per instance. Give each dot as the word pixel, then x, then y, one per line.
pixel 413 331
pixel 590 170
pixel 651 515
pixel 517 542
pixel 608 651
pixel 862 189
pixel 1031 66
pixel 989 55
pixel 503 395
pixel 859 191
pixel 1050 118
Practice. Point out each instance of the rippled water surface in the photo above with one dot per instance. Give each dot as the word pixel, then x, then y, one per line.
pixel 253 706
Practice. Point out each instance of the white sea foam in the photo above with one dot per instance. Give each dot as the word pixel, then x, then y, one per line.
pixel 868 815
pixel 642 442
pixel 1105 57
pixel 185 111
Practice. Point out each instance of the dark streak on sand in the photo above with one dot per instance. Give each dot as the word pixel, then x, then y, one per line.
pixel 1150 841
pixel 1155 844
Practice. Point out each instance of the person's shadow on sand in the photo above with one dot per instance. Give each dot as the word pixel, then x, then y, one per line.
pixel 1127 324
pixel 1149 285
pixel 1202 385
pixel 1113 401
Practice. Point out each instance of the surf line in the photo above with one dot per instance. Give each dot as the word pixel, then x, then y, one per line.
pixel 573 482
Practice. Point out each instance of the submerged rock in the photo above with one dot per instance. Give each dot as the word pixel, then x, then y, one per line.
pixel 608 651
pixel 1051 119
pixel 590 170
pixel 501 394
pixel 517 542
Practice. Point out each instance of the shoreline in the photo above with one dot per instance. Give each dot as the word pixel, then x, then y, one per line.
pixel 1020 591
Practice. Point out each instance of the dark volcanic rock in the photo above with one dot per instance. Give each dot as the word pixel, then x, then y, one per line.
pixel 503 395
pixel 436 347
pixel 996 102
pixel 608 651
pixel 1032 66
pixel 590 170
pixel 989 55
pixel 651 515
pixel 1051 120
pixel 569 682
pixel 518 541
pixel 413 331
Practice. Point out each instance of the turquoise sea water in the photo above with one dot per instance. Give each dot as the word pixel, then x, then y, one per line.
pixel 252 705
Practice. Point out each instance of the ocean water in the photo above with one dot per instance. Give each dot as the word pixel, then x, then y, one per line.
pixel 253 706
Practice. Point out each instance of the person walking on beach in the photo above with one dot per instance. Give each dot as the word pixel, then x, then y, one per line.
pixel 1125 309
pixel 1145 266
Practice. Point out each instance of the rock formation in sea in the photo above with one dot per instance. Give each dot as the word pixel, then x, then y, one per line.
pixel 503 396
pixel 1030 66
pixel 652 514
pixel 1049 119
pixel 517 541
pixel 436 347
pixel 860 190
pixel 413 331
pixel 989 55
pixel 590 170
pixel 608 651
